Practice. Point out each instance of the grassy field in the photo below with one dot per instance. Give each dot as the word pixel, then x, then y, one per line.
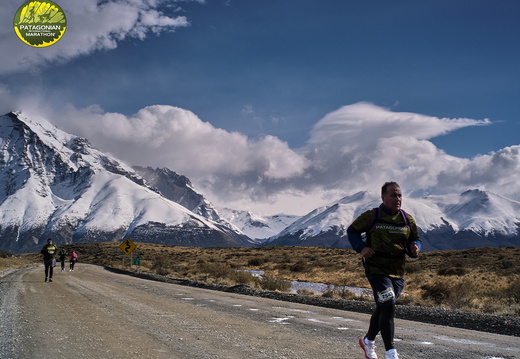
pixel 483 280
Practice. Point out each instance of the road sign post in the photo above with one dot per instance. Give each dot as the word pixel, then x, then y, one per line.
pixel 127 246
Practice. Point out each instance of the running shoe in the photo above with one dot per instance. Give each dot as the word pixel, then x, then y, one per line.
pixel 391 354
pixel 369 347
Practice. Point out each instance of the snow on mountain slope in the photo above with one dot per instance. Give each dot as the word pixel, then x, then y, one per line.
pixel 179 189
pixel 329 218
pixel 481 212
pixel 26 207
pixel 110 199
pixel 480 218
pixel 257 227
pixel 114 202
pixel 54 184
pixel 427 213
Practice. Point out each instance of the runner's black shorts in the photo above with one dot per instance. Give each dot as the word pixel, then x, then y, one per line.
pixel 386 290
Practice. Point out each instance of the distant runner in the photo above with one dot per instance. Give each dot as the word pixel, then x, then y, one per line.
pixel 73 259
pixel 62 254
pixel 49 260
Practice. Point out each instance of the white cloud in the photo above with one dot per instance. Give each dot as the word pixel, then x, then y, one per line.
pixel 91 26
pixel 361 146
pixel 371 122
pixel 226 163
pixel 247 109
pixel 357 147
pixel 497 172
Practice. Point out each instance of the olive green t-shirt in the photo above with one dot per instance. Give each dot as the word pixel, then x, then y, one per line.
pixel 389 239
pixel 49 251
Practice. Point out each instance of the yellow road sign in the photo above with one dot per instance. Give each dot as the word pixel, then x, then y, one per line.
pixel 127 246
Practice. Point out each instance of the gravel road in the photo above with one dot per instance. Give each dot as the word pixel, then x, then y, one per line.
pixel 95 313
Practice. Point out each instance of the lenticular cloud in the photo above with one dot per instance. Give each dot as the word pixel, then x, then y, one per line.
pixel 373 122
pixel 361 146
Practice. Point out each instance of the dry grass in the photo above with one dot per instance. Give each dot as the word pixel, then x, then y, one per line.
pixel 9 261
pixel 484 280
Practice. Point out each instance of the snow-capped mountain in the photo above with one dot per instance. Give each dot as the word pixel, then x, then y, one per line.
pixel 474 218
pixel 258 227
pixel 53 184
pixel 178 188
pixel 324 226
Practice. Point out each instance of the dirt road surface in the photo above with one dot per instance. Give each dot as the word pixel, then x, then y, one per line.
pixel 94 313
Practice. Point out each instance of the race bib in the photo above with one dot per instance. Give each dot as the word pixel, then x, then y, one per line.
pixel 386 295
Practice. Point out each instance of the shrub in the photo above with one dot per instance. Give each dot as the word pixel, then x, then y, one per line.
pixel 4 254
pixel 513 291
pixel 405 299
pixel 438 292
pixel 460 271
pixel 162 265
pixel 304 291
pixel 257 261
pixel 340 292
pixel 281 267
pixel 510 266
pixel 413 267
pixel 215 270
pixel 241 277
pixel 458 294
pixel 301 266
pixel 269 283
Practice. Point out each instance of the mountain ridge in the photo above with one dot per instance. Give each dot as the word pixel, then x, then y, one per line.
pixel 56 185
pixel 475 218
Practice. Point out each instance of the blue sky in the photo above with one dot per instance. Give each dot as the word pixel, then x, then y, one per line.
pixel 276 73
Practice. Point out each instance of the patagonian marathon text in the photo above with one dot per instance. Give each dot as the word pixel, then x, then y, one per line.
pixel 40 27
